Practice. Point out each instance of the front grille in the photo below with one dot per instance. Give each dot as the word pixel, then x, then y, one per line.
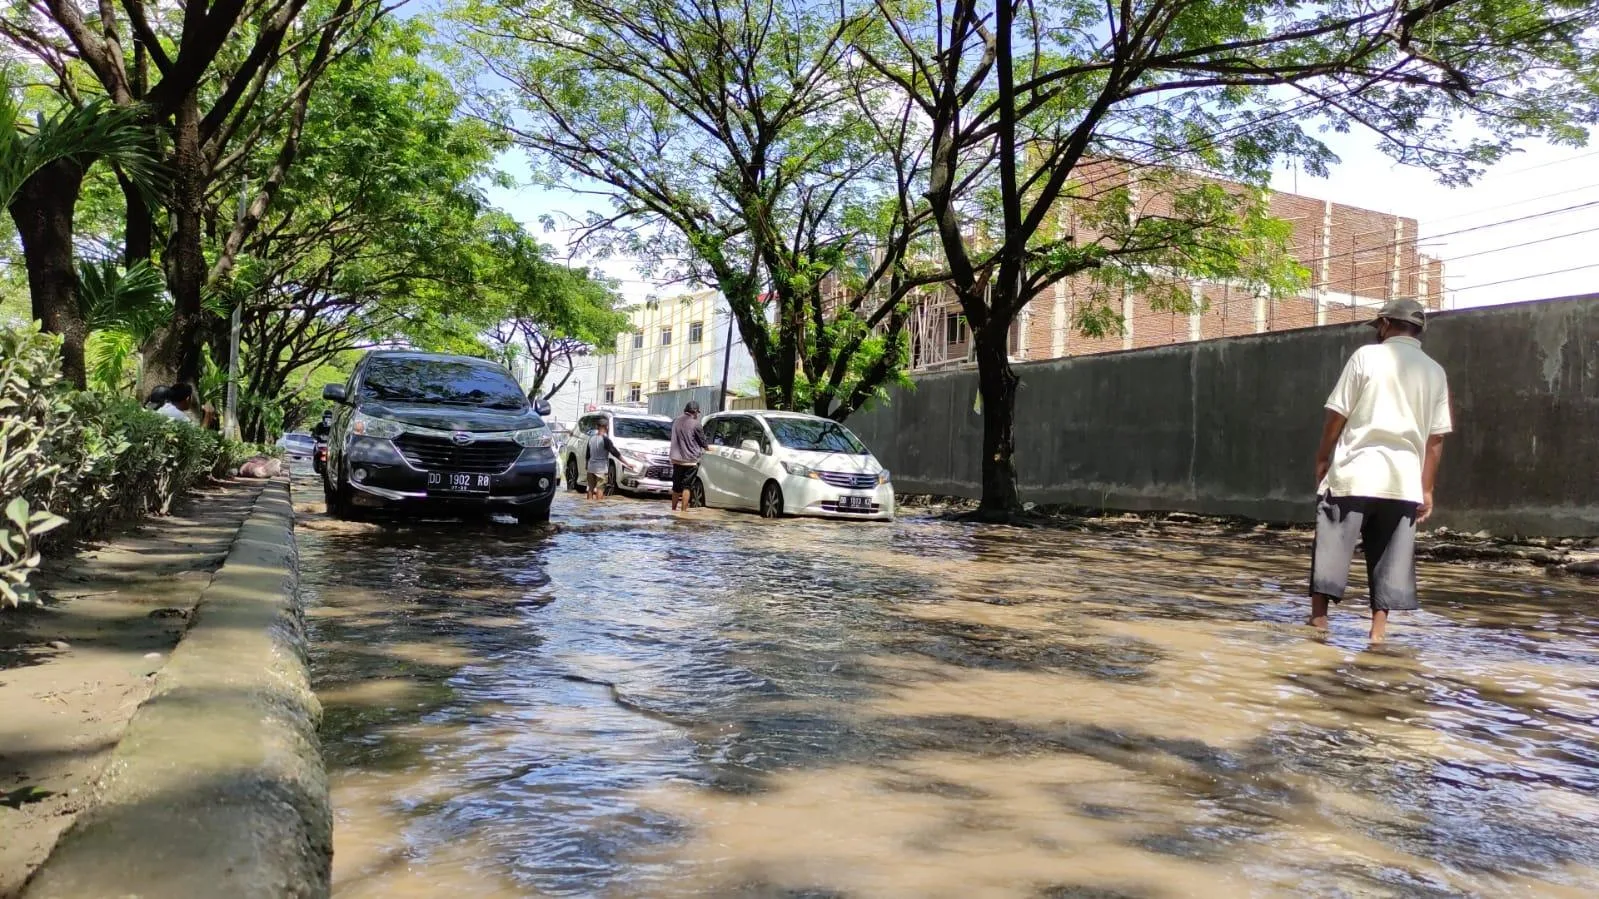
pixel 443 454
pixel 849 481
pixel 658 473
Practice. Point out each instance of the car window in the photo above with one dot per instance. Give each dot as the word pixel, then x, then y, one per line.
pixel 815 435
pixel 642 429
pixel 452 382
pixel 587 424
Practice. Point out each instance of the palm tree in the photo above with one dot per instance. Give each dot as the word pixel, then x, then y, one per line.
pixel 122 309
pixel 42 167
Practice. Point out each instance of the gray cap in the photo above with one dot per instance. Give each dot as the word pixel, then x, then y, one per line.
pixel 1406 310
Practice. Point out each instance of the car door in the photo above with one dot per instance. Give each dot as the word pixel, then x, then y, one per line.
pixel 716 473
pixel 744 464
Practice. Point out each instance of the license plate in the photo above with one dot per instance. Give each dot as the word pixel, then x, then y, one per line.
pixel 458 482
pixel 855 503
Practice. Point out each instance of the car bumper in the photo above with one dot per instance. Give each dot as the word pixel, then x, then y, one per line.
pixel 387 479
pixel 646 479
pixel 803 496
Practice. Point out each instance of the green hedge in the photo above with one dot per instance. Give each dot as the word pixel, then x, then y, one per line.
pixel 72 463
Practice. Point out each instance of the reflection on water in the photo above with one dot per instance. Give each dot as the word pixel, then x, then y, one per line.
pixel 641 706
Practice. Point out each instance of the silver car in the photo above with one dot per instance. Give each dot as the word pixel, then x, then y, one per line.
pixel 786 463
pixel 645 442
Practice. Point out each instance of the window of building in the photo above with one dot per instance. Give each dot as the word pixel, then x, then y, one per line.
pixel 610 393
pixel 662 386
pixel 635 393
pixel 638 341
pixel 666 337
pixel 696 332
pixel 954 327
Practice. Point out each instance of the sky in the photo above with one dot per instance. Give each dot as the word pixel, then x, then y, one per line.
pixel 1508 237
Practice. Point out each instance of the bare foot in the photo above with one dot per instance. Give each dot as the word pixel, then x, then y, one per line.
pixel 1379 625
pixel 1318 612
pixel 1319 622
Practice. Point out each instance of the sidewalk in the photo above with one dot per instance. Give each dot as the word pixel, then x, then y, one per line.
pixel 73 673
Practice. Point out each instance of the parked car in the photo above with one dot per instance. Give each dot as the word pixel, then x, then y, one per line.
pixel 298 448
pixel 645 442
pixel 785 463
pixel 438 433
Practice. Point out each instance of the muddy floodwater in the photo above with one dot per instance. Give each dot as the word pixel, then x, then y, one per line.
pixel 636 705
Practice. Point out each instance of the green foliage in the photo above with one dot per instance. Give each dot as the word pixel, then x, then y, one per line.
pixel 96 130
pixel 72 462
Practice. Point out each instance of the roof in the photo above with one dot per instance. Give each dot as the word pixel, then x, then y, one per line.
pixel 423 354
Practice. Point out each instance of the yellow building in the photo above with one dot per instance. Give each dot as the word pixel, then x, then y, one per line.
pixel 674 343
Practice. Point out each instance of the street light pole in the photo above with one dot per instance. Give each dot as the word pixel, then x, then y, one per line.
pixel 727 359
pixel 230 415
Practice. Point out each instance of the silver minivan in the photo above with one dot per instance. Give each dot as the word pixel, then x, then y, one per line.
pixel 787 463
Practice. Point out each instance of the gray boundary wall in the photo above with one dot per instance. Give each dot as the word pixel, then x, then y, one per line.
pixel 1230 427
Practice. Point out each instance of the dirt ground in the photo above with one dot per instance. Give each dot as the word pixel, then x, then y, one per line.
pixel 73 672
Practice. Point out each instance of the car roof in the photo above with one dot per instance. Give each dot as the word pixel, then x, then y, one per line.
pixel 439 357
pixel 644 415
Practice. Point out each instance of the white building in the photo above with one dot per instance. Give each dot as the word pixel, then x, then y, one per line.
pixel 674 343
pixel 579 391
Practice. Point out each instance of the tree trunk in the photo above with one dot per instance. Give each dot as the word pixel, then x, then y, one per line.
pixel 138 227
pixel 43 209
pixel 996 383
pixel 174 356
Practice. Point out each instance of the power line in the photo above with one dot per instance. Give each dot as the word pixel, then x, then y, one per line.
pixel 1563 271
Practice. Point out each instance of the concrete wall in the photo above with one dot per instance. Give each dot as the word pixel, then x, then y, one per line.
pixel 1229 427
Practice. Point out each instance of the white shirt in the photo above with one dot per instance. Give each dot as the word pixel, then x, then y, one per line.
pixel 1394 397
pixel 174 413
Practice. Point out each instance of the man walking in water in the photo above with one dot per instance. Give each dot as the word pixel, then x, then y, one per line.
pixel 1380 448
pixel 688 444
pixel 601 452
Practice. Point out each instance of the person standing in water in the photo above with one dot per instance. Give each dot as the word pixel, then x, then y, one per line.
pixel 1380 449
pixel 601 452
pixel 688 445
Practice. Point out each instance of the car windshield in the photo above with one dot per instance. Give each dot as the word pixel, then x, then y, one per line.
pixel 643 429
pixel 450 382
pixel 815 435
pixel 297 440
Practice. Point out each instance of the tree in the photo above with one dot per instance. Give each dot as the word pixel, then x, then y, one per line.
pixel 739 148
pixel 1086 139
pixel 42 168
pixel 548 314
pixel 200 70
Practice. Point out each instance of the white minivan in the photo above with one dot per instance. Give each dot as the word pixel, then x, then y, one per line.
pixel 644 440
pixel 785 463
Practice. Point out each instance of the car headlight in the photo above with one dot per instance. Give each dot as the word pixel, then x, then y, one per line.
pixel 534 438
pixel 801 471
pixel 380 428
pixel 882 477
pixel 635 455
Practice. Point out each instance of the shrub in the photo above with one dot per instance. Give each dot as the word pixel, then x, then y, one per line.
pixel 72 463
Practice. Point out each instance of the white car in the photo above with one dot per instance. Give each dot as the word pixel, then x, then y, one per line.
pixel 298 448
pixel 785 463
pixel 645 442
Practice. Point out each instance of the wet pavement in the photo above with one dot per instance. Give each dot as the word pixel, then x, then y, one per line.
pixel 637 705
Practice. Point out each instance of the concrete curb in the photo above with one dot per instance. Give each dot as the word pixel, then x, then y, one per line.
pixel 217 788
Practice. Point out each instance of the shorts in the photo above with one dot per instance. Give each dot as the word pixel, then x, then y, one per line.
pixel 597 479
pixel 1386 529
pixel 681 475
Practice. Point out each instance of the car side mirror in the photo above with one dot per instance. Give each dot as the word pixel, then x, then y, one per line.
pixel 753 446
pixel 335 393
pixel 541 406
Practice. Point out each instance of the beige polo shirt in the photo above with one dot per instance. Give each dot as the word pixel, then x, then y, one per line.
pixel 1394 397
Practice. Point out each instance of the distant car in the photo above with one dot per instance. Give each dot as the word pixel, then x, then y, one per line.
pixel 785 463
pixel 299 448
pixel 437 433
pixel 645 442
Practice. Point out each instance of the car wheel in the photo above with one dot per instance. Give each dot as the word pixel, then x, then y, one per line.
pixel 536 515
pixel 696 494
pixel 572 484
pixel 771 501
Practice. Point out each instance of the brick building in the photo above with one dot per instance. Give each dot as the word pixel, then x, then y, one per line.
pixel 1357 259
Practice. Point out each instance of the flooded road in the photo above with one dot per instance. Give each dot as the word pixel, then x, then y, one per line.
pixel 643 706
